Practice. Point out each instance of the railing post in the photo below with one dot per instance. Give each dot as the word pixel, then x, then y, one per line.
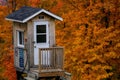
pixel 62 58
pixel 53 57
pixel 56 62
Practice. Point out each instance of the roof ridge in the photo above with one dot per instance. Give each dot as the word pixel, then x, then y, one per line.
pixel 25 13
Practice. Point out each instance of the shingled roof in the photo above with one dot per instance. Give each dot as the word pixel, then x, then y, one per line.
pixel 26 13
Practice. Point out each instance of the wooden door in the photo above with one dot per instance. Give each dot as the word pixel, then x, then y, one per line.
pixel 41 40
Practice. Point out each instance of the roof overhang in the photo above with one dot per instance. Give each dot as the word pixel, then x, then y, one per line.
pixel 37 13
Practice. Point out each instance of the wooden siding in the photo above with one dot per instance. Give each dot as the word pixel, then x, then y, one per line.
pixel 18 27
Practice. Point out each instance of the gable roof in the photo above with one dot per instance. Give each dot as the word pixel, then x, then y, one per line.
pixel 26 13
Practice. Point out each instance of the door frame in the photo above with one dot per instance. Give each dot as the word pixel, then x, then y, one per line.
pixel 40 45
pixel 47 32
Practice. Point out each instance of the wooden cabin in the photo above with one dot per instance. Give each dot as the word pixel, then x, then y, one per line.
pixel 35 50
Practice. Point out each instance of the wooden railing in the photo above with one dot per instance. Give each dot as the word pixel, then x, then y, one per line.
pixel 51 58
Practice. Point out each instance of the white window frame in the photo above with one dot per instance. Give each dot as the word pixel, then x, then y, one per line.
pixel 18 40
pixel 47 32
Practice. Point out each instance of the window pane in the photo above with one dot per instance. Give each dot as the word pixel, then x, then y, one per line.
pixel 21 38
pixel 41 29
pixel 41 38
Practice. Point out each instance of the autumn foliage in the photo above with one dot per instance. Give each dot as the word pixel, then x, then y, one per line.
pixel 90 34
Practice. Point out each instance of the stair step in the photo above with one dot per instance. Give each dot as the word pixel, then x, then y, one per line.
pixel 32 75
pixel 28 78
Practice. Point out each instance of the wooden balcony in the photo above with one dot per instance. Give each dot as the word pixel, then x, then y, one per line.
pixel 51 62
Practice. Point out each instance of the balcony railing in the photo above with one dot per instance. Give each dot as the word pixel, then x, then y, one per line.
pixel 51 59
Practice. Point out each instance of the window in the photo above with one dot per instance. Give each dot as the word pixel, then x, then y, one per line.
pixel 41 34
pixel 20 37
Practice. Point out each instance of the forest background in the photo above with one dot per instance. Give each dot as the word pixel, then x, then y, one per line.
pixel 90 33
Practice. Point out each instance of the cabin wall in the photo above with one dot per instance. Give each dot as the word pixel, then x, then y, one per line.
pixel 52 33
pixel 23 28
pixel 30 41
pixel 30 33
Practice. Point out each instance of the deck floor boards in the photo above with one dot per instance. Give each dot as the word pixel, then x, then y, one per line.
pixel 46 70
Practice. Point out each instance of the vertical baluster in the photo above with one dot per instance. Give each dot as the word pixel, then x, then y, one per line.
pixel 51 58
pixel 55 58
pixel 47 58
pixel 62 58
pixel 39 59
pixel 44 59
pixel 58 57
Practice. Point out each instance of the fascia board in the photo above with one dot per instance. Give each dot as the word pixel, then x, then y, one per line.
pixel 14 20
pixel 51 14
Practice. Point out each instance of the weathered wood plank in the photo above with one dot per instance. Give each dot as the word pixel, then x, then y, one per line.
pixel 48 73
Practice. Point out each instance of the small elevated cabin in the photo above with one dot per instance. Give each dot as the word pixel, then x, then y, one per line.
pixel 35 52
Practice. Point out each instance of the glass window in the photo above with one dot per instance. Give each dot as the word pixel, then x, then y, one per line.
pixel 41 38
pixel 41 34
pixel 20 38
pixel 41 29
